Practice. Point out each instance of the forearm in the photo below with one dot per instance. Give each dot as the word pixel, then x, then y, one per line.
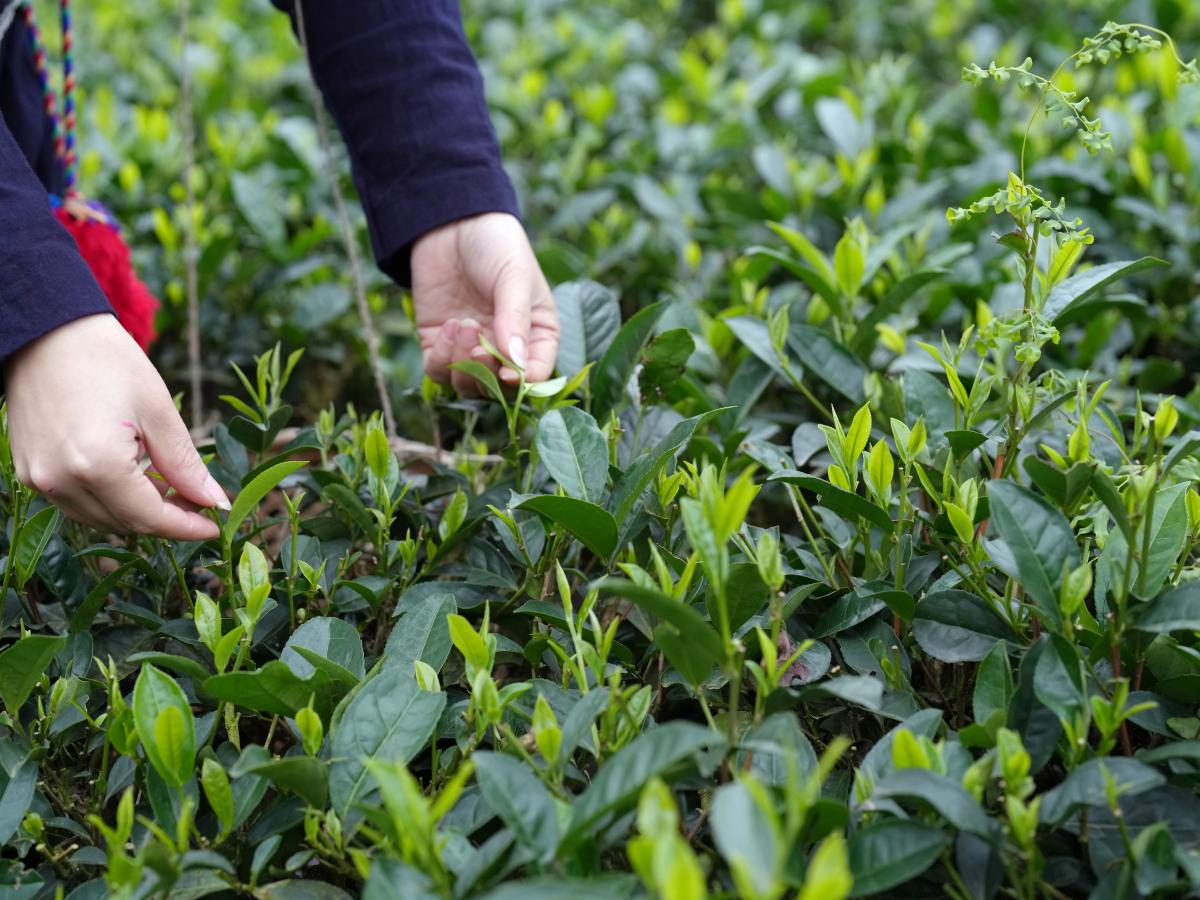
pixel 402 84
pixel 44 282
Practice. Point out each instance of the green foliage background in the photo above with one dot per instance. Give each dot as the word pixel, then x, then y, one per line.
pixel 853 553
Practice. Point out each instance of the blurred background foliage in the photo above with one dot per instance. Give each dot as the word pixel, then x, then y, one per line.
pixel 650 143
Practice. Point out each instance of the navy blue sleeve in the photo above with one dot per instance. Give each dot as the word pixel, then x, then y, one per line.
pixel 403 86
pixel 44 282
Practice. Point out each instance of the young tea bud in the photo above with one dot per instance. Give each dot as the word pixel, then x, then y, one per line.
pixel 1166 417
pixel 312 732
pixel 769 560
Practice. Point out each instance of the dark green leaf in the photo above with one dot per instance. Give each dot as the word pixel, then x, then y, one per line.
pixel 593 525
pixel 1176 610
pixel 333 639
pixel 389 718
pixel 35 535
pixel 1040 538
pixel 589 319
pixel 945 795
pixel 846 612
pixel 22 666
pixel 253 493
pixel 1086 786
pixel 829 360
pixel 657 752
pixel 574 451
pixel 664 362
pixel 892 852
pixel 840 501
pixel 520 799
pixel 422 633
pixel 955 626
pixel 994 686
pixel 1082 285
pixel 183 665
pixel 276 689
pixel 1058 679
pixel 17 798
pixel 619 360
pixel 302 775
pixel 700 639
pixel 628 490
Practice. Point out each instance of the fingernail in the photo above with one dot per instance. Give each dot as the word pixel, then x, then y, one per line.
pixel 216 493
pixel 517 352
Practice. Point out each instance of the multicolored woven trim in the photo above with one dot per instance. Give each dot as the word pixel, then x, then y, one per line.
pixel 63 124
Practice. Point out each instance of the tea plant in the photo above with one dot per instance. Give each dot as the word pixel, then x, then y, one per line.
pixel 616 635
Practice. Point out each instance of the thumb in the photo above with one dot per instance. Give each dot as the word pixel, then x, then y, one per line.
pixel 513 302
pixel 174 455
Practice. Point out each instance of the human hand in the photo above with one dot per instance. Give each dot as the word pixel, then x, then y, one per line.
pixel 479 276
pixel 83 404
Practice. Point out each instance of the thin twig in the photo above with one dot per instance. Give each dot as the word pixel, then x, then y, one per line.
pixel 370 335
pixel 189 232
pixel 403 448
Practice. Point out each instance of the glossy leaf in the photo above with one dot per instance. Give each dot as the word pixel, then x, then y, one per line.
pixel 520 799
pixel 574 451
pixel 1040 538
pixel 165 725
pixel 22 666
pixel 389 718
pixel 892 852
pixel 592 524
pixel 619 360
pixel 254 492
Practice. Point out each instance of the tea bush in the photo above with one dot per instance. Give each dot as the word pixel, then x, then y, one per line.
pixel 852 552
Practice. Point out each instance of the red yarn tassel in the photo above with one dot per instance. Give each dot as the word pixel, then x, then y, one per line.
pixel 101 245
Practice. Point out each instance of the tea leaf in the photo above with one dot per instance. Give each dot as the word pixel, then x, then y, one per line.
pixel 592 524
pixel 22 666
pixel 589 319
pixel 1079 287
pixel 829 360
pixel 1176 610
pixel 253 493
pixel 574 451
pixel 522 801
pixel 1040 538
pixel 700 639
pixel 618 362
pixel 35 535
pixel 333 639
pixel 955 626
pixel 422 633
pixel 658 752
pixel 1086 786
pixel 993 684
pixel 165 725
pixel 274 688
pixel 389 718
pixel 630 486
pixel 892 852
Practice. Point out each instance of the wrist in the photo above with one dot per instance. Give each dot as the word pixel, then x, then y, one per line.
pixel 88 328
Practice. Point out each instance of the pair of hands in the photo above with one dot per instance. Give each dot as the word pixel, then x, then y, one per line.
pixel 85 405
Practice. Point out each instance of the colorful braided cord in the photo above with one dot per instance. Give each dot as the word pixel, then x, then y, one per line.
pixel 63 126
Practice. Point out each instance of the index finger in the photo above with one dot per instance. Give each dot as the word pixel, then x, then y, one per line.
pixel 133 501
